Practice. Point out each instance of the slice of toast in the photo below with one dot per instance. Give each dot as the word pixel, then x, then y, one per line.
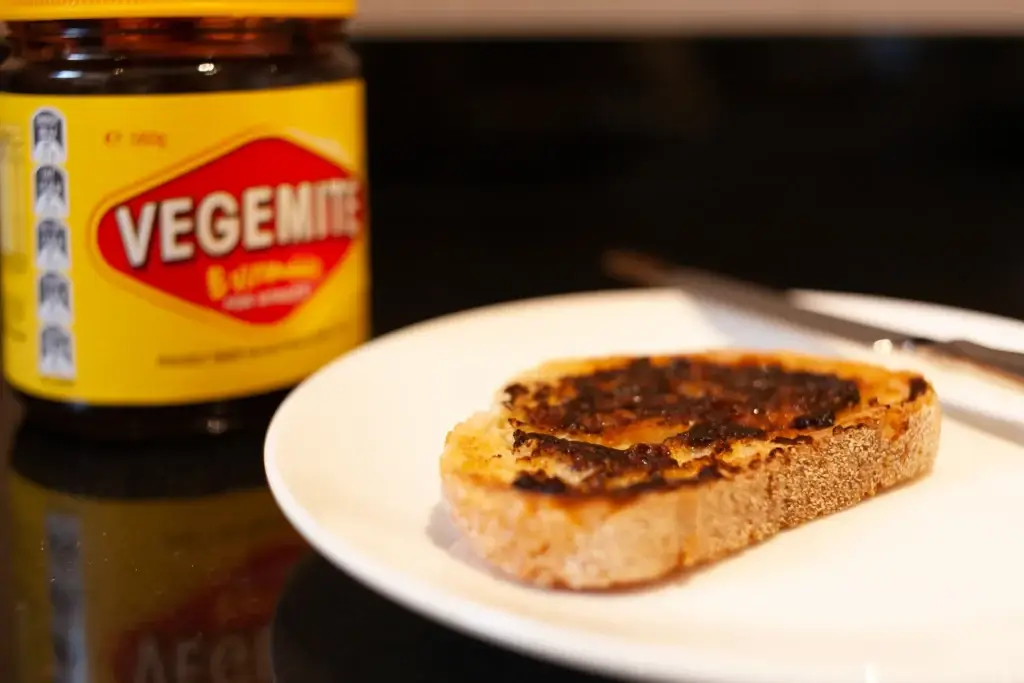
pixel 596 473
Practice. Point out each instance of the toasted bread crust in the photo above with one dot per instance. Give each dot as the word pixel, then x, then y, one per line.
pixel 590 524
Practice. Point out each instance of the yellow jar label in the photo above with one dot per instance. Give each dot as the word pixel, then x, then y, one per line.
pixel 147 591
pixel 165 249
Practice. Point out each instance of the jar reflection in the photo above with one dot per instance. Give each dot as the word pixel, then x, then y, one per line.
pixel 160 564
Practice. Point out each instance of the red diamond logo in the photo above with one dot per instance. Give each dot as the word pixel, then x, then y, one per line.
pixel 251 234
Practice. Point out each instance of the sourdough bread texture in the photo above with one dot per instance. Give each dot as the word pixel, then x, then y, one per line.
pixel 596 473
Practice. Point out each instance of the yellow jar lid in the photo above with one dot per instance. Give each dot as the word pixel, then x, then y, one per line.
pixel 55 10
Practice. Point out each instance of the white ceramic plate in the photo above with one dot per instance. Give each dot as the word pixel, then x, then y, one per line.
pixel 923 584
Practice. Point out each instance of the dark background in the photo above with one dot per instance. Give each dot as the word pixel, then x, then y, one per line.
pixel 886 165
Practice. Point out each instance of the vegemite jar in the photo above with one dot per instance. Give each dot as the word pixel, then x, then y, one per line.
pixel 183 208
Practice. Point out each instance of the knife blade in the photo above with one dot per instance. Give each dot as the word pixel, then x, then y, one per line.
pixel 1004 367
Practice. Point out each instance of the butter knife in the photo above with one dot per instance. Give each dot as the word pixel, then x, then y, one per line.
pixel 1003 367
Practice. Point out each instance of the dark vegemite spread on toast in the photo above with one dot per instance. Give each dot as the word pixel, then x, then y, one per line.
pixel 626 422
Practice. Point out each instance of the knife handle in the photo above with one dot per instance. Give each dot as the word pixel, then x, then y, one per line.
pixel 1007 366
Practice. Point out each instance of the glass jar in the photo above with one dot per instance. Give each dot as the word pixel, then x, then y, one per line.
pixel 183 218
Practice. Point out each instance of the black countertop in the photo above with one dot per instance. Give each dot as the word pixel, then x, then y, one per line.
pixel 498 172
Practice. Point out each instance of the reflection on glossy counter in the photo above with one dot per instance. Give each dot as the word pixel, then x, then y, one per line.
pixel 171 563
pixel 329 629
pixel 161 564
